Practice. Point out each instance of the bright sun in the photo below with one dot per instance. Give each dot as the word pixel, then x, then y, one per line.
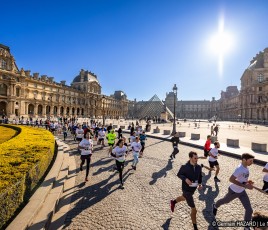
pixel 220 44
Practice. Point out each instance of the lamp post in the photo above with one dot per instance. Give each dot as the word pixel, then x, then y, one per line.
pixel 174 118
pixel 103 117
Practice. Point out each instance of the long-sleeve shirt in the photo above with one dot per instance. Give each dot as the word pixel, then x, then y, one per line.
pixel 191 172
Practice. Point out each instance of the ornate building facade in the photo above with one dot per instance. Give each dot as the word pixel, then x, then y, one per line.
pixel 23 94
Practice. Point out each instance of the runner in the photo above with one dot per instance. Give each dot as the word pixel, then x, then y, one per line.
pixel 79 134
pixel 132 137
pixel 206 148
pixel 191 176
pixel 86 146
pixel 212 160
pixel 111 139
pixel 175 141
pixel 240 182
pixel 143 137
pixel 120 152
pixel 265 178
pixel 136 148
pixel 101 135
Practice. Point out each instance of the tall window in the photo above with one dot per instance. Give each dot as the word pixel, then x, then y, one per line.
pixel 17 92
pixel 260 78
pixel 3 64
pixel 3 90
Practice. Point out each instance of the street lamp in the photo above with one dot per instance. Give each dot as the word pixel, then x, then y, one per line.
pixel 174 119
pixel 103 117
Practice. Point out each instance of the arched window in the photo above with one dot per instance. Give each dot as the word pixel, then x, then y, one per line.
pixel 3 90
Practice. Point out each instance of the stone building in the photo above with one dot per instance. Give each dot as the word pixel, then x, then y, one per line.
pixel 227 108
pixel 23 94
pixel 196 109
pixel 253 100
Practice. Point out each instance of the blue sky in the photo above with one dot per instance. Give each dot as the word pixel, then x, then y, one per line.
pixel 142 47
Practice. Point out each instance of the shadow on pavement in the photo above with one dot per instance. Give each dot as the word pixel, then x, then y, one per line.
pixel 209 198
pixel 165 226
pixel 161 173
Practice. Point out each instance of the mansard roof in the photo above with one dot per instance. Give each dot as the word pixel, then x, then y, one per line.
pixel 85 76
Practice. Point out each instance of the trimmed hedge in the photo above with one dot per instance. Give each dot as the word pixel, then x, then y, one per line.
pixel 6 133
pixel 23 161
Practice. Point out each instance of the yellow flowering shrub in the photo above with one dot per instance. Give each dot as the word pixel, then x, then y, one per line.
pixel 23 161
pixel 6 133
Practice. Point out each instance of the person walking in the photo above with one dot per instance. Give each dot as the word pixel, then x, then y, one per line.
pixel 86 146
pixel 119 153
pixel 64 129
pixel 175 141
pixel 119 133
pixel 136 148
pixel 191 176
pixel 216 130
pixel 239 182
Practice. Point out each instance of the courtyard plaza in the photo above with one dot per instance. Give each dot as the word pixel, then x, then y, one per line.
pixel 144 203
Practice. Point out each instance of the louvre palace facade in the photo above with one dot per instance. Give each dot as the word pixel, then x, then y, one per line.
pixel 23 94
pixel 250 103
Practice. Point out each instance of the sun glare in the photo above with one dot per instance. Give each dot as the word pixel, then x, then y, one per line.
pixel 220 44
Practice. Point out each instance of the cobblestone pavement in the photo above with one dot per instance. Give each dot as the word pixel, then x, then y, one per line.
pixel 144 203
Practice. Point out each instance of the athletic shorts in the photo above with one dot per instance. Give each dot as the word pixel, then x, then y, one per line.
pixel 84 157
pixel 206 152
pixel 79 139
pixel 189 198
pixel 111 144
pixel 213 163
pixel 101 139
pixel 265 186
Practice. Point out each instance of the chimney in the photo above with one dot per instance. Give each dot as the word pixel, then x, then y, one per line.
pixel 63 82
pixel 27 73
pixel 36 75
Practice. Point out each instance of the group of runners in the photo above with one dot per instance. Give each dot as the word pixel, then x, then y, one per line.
pixel 190 173
pixel 118 146
pixel 191 176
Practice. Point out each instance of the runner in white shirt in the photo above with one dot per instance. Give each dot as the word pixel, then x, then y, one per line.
pixel 86 146
pixel 136 148
pixel 212 160
pixel 79 133
pixel 240 182
pixel 132 138
pixel 119 153
pixel 101 136
pixel 265 178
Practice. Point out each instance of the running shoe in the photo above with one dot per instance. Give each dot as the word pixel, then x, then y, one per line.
pixel 86 179
pixel 217 179
pixel 172 205
pixel 214 209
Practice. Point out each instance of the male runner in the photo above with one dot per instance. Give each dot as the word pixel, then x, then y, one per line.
pixel 191 176
pixel 240 182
